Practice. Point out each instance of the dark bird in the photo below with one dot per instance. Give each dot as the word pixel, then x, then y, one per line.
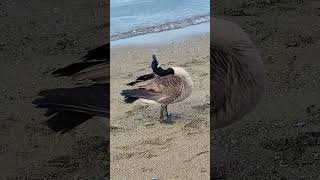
pixel 70 107
pixel 162 86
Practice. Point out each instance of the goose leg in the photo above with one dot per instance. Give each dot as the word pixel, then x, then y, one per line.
pixel 166 110
pixel 161 113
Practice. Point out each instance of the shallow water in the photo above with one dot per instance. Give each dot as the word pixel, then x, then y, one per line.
pixel 165 37
pixel 137 17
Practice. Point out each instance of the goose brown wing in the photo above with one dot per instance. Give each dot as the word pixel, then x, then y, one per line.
pixel 160 89
pixel 142 78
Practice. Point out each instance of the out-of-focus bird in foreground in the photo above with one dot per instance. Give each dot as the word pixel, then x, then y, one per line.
pixel 237 77
pixel 70 107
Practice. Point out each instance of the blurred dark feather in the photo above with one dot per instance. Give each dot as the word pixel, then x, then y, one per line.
pixel 67 108
pixel 70 107
pixel 99 53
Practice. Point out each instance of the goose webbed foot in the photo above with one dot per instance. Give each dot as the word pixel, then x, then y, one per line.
pixel 168 118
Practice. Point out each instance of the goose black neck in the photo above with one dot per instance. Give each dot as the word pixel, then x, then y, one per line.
pixel 158 70
pixel 161 72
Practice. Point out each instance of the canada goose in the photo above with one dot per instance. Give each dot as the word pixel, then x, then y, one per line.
pixel 237 76
pixel 162 86
pixel 70 107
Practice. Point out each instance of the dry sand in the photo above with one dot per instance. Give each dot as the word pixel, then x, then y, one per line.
pixel 142 147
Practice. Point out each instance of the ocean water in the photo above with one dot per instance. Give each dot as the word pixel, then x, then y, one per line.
pixel 165 37
pixel 131 18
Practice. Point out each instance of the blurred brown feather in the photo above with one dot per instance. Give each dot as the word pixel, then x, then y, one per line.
pixel 70 107
pixel 237 76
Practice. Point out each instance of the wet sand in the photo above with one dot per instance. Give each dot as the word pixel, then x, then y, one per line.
pixel 142 147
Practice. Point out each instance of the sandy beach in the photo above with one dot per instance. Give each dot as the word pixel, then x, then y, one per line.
pixel 142 147
pixel 278 140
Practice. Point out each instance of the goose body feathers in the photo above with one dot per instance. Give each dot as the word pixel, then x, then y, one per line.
pixel 162 86
pixel 237 75
pixel 167 89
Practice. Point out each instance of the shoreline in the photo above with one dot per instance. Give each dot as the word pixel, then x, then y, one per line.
pixel 164 37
